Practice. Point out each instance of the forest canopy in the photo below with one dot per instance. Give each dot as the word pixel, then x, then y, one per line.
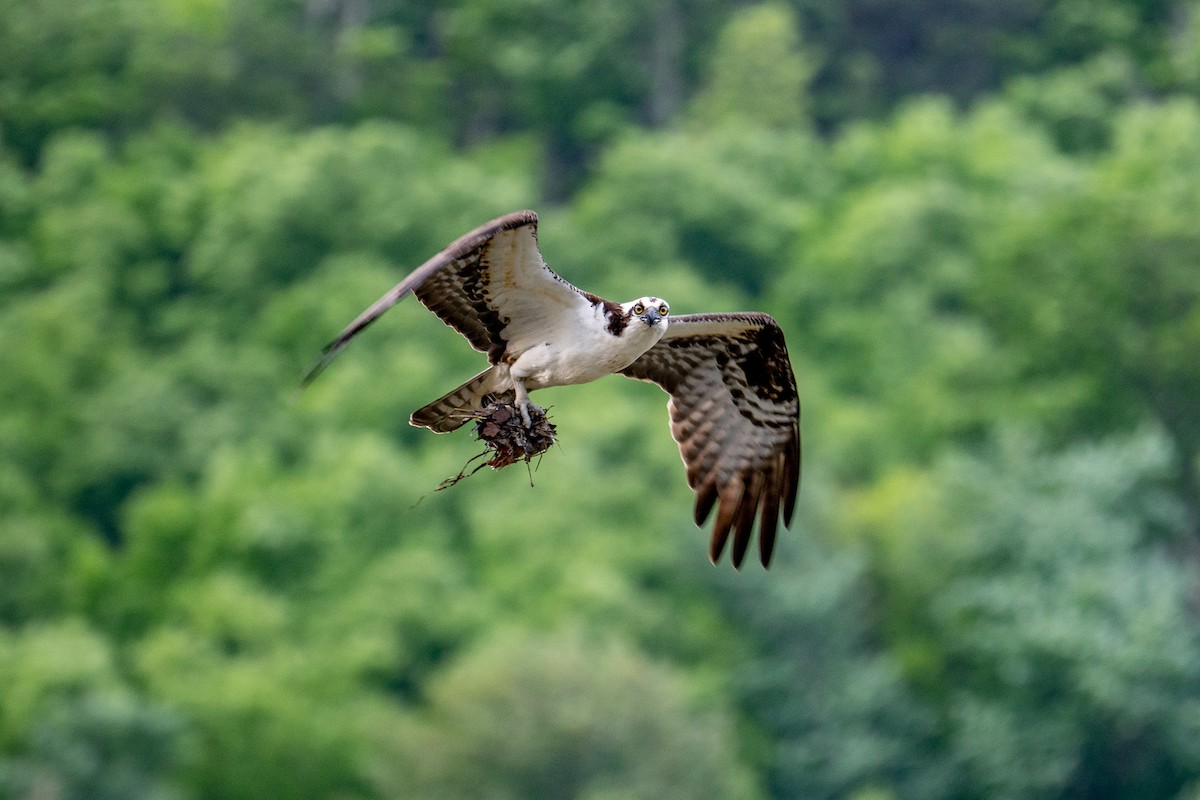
pixel 976 223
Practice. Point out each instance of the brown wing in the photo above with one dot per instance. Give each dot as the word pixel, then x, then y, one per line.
pixel 478 285
pixel 736 416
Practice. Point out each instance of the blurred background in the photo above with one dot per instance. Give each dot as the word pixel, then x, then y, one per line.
pixel 978 223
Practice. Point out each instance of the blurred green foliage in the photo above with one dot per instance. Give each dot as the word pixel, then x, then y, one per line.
pixel 976 222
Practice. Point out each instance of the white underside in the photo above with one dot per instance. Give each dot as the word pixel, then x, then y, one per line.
pixel 584 353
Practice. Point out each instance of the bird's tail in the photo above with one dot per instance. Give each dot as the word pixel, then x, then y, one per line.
pixel 453 410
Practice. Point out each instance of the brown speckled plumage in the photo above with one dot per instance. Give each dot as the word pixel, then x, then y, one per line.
pixel 736 416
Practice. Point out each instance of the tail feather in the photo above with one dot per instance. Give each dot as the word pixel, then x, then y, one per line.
pixel 453 410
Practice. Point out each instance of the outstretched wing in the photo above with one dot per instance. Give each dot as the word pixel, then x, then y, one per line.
pixel 736 416
pixel 491 285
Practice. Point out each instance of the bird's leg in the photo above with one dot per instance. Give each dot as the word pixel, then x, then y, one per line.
pixel 523 402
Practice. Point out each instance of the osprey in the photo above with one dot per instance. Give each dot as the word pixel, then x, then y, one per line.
pixel 733 403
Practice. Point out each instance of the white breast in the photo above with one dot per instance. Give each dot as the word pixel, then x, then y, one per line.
pixel 582 351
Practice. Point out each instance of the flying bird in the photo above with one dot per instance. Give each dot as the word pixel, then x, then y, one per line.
pixel 733 404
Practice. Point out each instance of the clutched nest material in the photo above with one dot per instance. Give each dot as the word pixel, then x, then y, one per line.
pixel 503 432
pixel 506 439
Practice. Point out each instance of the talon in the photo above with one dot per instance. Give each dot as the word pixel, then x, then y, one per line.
pixel 522 402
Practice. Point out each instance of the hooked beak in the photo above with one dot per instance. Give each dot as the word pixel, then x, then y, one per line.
pixel 651 317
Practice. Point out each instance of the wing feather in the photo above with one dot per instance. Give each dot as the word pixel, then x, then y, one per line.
pixel 743 522
pixel 769 524
pixel 791 466
pixel 730 495
pixel 735 414
pixel 477 285
pixel 706 498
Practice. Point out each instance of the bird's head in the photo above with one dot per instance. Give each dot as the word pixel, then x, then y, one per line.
pixel 651 311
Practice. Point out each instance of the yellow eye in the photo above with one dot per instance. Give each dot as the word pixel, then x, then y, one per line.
pixel 639 308
pixel 664 310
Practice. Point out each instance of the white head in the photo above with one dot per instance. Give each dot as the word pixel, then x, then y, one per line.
pixel 647 311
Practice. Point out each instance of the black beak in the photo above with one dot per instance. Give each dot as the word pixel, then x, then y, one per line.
pixel 651 317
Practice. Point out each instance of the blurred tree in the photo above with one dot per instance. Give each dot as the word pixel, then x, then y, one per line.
pixel 726 202
pixel 99 747
pixel 1185 43
pixel 1117 312
pixel 277 204
pixel 838 717
pixel 883 52
pixel 118 65
pixel 264 719
pixel 60 68
pixel 48 663
pixel 43 554
pixel 558 716
pixel 1079 104
pixel 759 74
pixel 562 72
pixel 882 286
pixel 1034 603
